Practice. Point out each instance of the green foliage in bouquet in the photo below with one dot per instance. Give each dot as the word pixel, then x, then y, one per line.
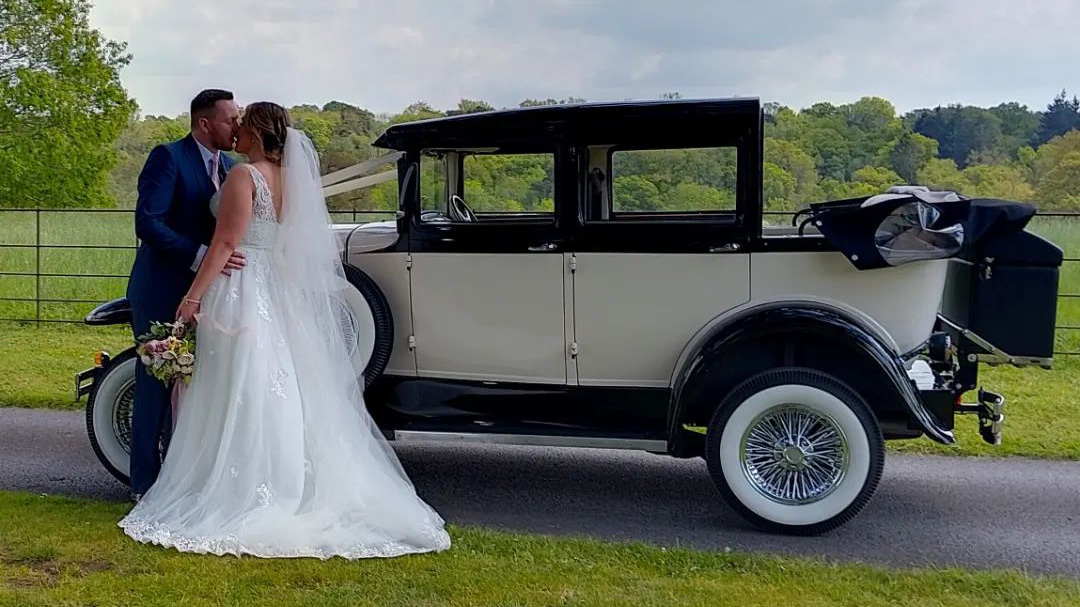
pixel 168 351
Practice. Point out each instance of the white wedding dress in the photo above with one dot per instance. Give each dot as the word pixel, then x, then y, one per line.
pixel 274 454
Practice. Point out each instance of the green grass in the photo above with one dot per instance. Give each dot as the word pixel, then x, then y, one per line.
pixel 58 552
pixel 1065 232
pixel 38 365
pixel 1042 416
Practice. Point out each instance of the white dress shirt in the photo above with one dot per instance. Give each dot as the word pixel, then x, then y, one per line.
pixel 208 158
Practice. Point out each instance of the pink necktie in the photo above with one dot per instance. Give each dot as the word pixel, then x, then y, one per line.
pixel 214 171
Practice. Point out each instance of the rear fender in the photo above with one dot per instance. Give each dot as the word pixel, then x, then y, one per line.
pixel 803 322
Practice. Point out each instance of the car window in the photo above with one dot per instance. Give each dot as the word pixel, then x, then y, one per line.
pixel 433 181
pixel 492 186
pixel 510 183
pixel 697 180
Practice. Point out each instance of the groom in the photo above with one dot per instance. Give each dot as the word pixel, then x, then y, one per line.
pixel 174 226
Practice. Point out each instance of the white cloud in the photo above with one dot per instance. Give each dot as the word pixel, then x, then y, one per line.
pixel 384 55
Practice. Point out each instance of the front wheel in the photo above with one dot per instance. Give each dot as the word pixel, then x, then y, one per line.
pixel 795 450
pixel 108 414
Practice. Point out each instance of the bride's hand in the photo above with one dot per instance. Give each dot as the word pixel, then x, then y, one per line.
pixel 187 310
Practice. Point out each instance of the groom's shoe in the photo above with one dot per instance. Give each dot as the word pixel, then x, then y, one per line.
pixel 134 497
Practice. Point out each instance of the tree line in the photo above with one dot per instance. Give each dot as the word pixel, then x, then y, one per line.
pixel 827 151
pixel 70 137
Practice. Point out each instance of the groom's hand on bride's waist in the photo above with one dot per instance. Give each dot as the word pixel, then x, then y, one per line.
pixel 236 262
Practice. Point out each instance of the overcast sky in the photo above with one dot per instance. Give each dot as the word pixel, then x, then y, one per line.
pixel 383 55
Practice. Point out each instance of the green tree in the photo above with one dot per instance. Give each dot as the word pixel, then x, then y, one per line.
pixel 634 193
pixel 778 188
pixel 470 106
pixel 998 181
pixel 1061 116
pixel 696 197
pixel 1060 187
pixel 420 110
pixel 873 127
pixel 824 152
pixel 61 105
pixel 881 178
pixel 959 130
pixel 318 125
pixel 1056 172
pixel 1019 126
pixel 133 146
pixel 549 101
pixel 942 174
pixel 797 163
pixel 911 153
pixel 351 119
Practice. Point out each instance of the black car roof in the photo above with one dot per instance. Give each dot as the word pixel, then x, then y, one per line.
pixel 541 125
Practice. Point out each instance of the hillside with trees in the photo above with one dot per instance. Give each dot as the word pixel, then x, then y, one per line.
pixel 826 151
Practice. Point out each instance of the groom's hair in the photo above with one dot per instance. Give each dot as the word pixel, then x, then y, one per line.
pixel 205 103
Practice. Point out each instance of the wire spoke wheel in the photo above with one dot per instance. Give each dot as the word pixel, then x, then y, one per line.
pixel 794 455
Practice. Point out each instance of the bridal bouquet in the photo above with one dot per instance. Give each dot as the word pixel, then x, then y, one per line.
pixel 168 351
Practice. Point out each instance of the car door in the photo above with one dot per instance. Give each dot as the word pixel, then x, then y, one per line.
pixel 660 251
pixel 487 270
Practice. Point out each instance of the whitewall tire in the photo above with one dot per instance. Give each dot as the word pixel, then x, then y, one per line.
pixel 368 325
pixel 795 450
pixel 358 326
pixel 108 414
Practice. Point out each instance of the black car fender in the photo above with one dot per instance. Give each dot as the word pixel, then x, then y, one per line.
pixel 803 321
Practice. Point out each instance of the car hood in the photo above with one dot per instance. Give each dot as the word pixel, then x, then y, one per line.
pixel 366 237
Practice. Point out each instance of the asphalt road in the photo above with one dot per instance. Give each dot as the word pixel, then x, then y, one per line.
pixel 981 513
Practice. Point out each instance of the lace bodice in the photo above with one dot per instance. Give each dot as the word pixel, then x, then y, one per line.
pixel 263 228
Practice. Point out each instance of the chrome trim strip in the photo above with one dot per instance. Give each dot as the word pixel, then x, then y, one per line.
pixel 534 440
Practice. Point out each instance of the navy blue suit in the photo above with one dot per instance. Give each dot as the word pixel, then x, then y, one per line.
pixel 172 220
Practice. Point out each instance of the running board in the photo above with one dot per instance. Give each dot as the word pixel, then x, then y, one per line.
pixel 533 440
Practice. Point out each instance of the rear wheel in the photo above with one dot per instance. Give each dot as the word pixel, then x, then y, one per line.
pixel 795 450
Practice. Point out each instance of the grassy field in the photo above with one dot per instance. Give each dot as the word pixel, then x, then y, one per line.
pixel 59 552
pixel 67 228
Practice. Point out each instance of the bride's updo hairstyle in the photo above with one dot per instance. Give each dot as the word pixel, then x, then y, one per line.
pixel 268 123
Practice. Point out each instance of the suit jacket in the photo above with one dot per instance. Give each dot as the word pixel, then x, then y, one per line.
pixel 172 220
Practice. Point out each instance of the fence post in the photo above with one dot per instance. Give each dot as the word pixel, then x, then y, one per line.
pixel 37 267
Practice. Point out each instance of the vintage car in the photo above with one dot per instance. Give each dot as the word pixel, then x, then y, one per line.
pixel 605 276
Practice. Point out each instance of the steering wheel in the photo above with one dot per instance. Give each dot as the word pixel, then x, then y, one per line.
pixel 459 211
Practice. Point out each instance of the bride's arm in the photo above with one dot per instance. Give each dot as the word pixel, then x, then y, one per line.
pixel 234 214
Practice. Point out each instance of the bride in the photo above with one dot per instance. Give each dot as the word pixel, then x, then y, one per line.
pixel 274 453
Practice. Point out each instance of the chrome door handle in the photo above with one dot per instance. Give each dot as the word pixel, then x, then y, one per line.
pixel 541 248
pixel 725 248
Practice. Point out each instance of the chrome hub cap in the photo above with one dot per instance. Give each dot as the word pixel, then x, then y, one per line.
pixel 794 455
